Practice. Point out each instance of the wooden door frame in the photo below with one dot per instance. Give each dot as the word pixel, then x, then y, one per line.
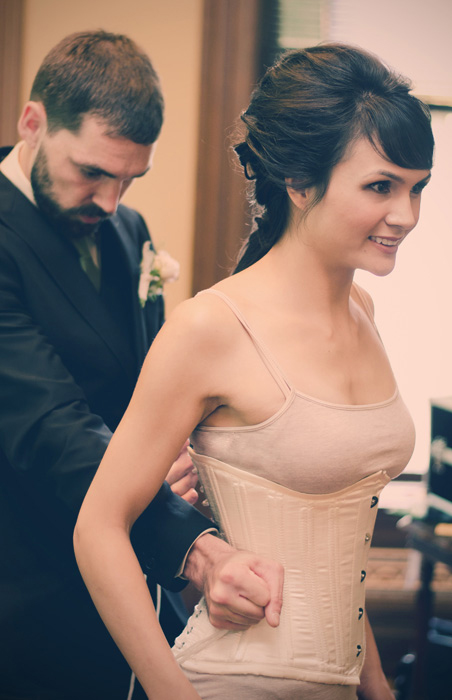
pixel 11 17
pixel 230 66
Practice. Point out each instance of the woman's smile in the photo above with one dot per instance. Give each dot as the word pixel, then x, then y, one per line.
pixel 369 208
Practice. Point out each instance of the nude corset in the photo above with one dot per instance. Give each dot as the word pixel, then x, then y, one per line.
pixel 323 543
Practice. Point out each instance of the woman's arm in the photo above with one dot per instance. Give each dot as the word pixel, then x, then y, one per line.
pixel 373 685
pixel 172 396
pixel 182 477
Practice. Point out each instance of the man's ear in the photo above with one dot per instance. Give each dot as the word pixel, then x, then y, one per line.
pixel 32 124
pixel 299 197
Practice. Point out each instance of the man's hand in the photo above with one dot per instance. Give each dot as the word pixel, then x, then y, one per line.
pixel 182 477
pixel 240 588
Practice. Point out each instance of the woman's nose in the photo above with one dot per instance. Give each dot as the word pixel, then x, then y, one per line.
pixel 404 212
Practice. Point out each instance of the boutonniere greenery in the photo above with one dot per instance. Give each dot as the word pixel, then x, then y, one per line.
pixel 156 269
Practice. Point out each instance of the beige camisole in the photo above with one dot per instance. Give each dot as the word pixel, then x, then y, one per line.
pixel 302 488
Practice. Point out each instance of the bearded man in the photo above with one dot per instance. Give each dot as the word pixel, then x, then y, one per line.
pixel 73 336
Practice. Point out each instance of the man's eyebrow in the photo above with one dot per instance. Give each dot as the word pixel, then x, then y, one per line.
pixel 95 170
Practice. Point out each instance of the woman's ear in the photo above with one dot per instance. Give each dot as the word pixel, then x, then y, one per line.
pixel 299 197
pixel 32 124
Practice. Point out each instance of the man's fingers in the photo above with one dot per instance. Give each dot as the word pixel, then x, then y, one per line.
pixel 273 612
pixel 238 614
pixel 182 477
pixel 184 483
pixel 240 588
pixel 252 591
pixel 273 574
pixel 181 467
pixel 237 598
pixel 255 589
pixel 220 622
pixel 237 583
pixel 179 470
pixel 191 496
pixel 238 609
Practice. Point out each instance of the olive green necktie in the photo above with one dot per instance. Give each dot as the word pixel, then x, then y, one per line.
pixel 87 262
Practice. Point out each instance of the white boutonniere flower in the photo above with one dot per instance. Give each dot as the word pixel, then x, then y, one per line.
pixel 156 269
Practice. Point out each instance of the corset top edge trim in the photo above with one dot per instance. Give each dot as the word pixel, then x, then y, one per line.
pixel 377 479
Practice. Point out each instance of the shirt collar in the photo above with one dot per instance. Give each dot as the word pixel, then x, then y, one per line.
pixel 11 168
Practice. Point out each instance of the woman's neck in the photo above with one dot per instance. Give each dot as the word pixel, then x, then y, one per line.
pixel 293 273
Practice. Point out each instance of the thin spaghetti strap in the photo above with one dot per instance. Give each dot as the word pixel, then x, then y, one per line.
pixel 364 303
pixel 366 307
pixel 264 353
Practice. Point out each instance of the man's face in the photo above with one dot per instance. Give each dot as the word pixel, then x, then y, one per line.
pixel 78 179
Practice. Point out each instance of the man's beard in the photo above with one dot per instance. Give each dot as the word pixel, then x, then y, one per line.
pixel 65 220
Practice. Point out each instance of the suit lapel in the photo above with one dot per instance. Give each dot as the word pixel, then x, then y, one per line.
pixel 131 253
pixel 61 261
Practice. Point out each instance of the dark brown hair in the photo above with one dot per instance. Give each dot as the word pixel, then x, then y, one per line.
pixel 309 106
pixel 105 75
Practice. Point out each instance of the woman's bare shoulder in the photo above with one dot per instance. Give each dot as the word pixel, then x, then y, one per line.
pixel 204 318
pixel 193 349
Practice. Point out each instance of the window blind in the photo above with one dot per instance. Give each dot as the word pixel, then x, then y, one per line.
pixel 412 36
pixel 301 23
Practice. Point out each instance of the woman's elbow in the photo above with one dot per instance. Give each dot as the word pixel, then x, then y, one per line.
pixel 97 533
pixel 81 538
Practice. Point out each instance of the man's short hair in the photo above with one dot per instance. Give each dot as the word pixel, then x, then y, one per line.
pixel 104 75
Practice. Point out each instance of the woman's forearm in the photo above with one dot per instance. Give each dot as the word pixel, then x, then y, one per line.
pixel 119 591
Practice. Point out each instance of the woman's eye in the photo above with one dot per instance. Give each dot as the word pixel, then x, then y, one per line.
pixel 383 187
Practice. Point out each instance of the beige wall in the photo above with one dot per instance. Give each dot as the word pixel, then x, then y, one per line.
pixel 170 31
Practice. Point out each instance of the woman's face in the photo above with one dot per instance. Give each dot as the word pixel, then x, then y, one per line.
pixel 370 206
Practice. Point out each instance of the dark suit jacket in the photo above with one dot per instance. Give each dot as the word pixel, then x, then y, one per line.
pixel 69 360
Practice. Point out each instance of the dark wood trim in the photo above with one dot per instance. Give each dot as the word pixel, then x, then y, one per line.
pixel 230 65
pixel 11 13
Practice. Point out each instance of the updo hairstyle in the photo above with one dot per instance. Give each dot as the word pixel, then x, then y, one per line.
pixel 308 107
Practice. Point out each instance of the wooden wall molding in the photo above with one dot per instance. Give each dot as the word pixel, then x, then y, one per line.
pixel 230 64
pixel 11 13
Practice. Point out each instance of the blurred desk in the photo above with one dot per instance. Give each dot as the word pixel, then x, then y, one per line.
pixel 434 542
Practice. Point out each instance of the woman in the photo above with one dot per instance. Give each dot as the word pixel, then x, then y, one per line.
pixel 280 375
